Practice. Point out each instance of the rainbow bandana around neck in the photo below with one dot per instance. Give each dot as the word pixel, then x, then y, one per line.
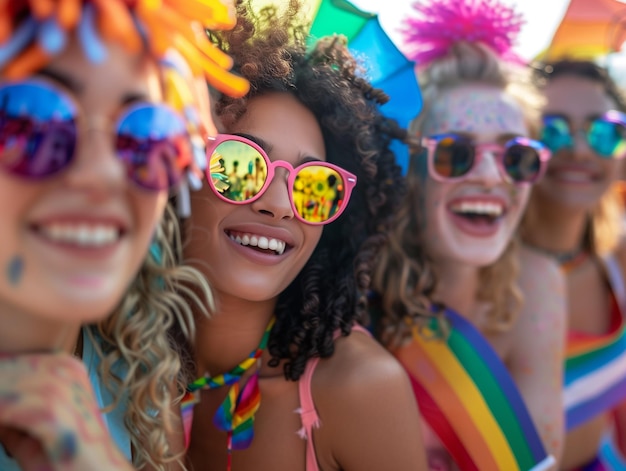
pixel 595 373
pixel 469 399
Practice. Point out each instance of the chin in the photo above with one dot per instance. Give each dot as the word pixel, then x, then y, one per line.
pixel 479 260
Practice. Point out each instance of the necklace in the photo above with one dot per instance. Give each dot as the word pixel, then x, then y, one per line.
pixel 235 415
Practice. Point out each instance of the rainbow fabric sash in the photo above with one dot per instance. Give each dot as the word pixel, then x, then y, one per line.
pixel 595 374
pixel 469 399
pixel 190 399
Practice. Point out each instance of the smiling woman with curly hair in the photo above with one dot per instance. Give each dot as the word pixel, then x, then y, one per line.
pixel 295 146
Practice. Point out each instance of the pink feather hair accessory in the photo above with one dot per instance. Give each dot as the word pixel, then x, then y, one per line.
pixel 440 24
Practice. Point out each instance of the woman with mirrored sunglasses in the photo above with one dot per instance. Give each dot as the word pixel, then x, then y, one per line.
pixel 476 320
pixel 98 124
pixel 574 216
pixel 301 186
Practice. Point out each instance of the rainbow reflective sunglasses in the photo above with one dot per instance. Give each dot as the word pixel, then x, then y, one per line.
pixel 40 126
pixel 451 157
pixel 241 171
pixel 605 134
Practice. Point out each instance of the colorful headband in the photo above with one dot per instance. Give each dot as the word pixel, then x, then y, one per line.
pixel 442 23
pixel 32 32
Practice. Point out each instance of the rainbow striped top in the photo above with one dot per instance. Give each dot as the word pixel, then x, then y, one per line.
pixel 595 372
pixel 469 399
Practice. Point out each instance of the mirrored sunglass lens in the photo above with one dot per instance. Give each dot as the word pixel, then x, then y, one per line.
pixel 522 163
pixel 606 138
pixel 318 193
pixel 454 157
pixel 238 170
pixel 153 144
pixel 556 134
pixel 37 130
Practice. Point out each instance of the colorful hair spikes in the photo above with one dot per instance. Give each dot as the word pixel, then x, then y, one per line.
pixel 440 24
pixel 33 31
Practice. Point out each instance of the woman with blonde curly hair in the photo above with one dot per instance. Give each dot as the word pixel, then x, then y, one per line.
pixel 476 319
pixel 575 217
pixel 287 380
pixel 98 123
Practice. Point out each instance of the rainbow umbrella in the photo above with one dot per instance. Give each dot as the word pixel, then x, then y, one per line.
pixel 589 29
pixel 386 67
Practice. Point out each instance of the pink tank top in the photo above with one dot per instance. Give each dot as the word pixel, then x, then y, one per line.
pixel 308 414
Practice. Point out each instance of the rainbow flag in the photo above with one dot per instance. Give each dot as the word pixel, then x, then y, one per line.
pixel 469 399
pixel 190 399
pixel 595 373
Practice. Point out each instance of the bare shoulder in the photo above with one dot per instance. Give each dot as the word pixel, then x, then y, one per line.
pixel 544 302
pixel 359 362
pixel 537 266
pixel 364 396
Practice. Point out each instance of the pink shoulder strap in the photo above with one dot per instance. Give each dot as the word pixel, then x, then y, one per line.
pixel 307 411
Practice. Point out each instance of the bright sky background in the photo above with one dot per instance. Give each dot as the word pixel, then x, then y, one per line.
pixel 542 18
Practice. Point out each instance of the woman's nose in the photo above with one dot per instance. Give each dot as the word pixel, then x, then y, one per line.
pixel 96 167
pixel 276 200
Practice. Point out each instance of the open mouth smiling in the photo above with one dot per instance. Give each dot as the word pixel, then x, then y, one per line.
pixel 478 211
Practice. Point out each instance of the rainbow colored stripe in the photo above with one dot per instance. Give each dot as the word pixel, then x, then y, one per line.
pixel 190 399
pixel 469 399
pixel 595 373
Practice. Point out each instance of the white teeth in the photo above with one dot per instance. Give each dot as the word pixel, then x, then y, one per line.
pixel 81 235
pixel 264 243
pixel 261 242
pixel 486 208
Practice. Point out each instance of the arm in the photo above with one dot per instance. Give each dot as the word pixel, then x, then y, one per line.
pixel 370 420
pixel 536 359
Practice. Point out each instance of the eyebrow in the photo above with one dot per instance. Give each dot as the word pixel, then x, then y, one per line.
pixel 267 147
pixel 501 138
pixel 76 87
pixel 505 137
pixel 133 97
pixel 62 78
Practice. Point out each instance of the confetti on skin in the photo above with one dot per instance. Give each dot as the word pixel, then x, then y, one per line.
pixel 473 111
pixel 15 270
pixel 67 447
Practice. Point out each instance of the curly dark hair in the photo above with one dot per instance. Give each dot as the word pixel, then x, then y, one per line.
pixel 270 50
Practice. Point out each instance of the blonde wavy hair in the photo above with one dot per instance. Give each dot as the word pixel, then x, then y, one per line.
pixel 138 336
pixel 405 276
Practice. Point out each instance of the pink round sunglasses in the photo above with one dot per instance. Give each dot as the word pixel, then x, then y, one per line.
pixel 241 171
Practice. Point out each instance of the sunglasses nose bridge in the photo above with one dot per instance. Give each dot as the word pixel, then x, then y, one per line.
pixel 96 165
pixel 487 166
pixel 275 201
